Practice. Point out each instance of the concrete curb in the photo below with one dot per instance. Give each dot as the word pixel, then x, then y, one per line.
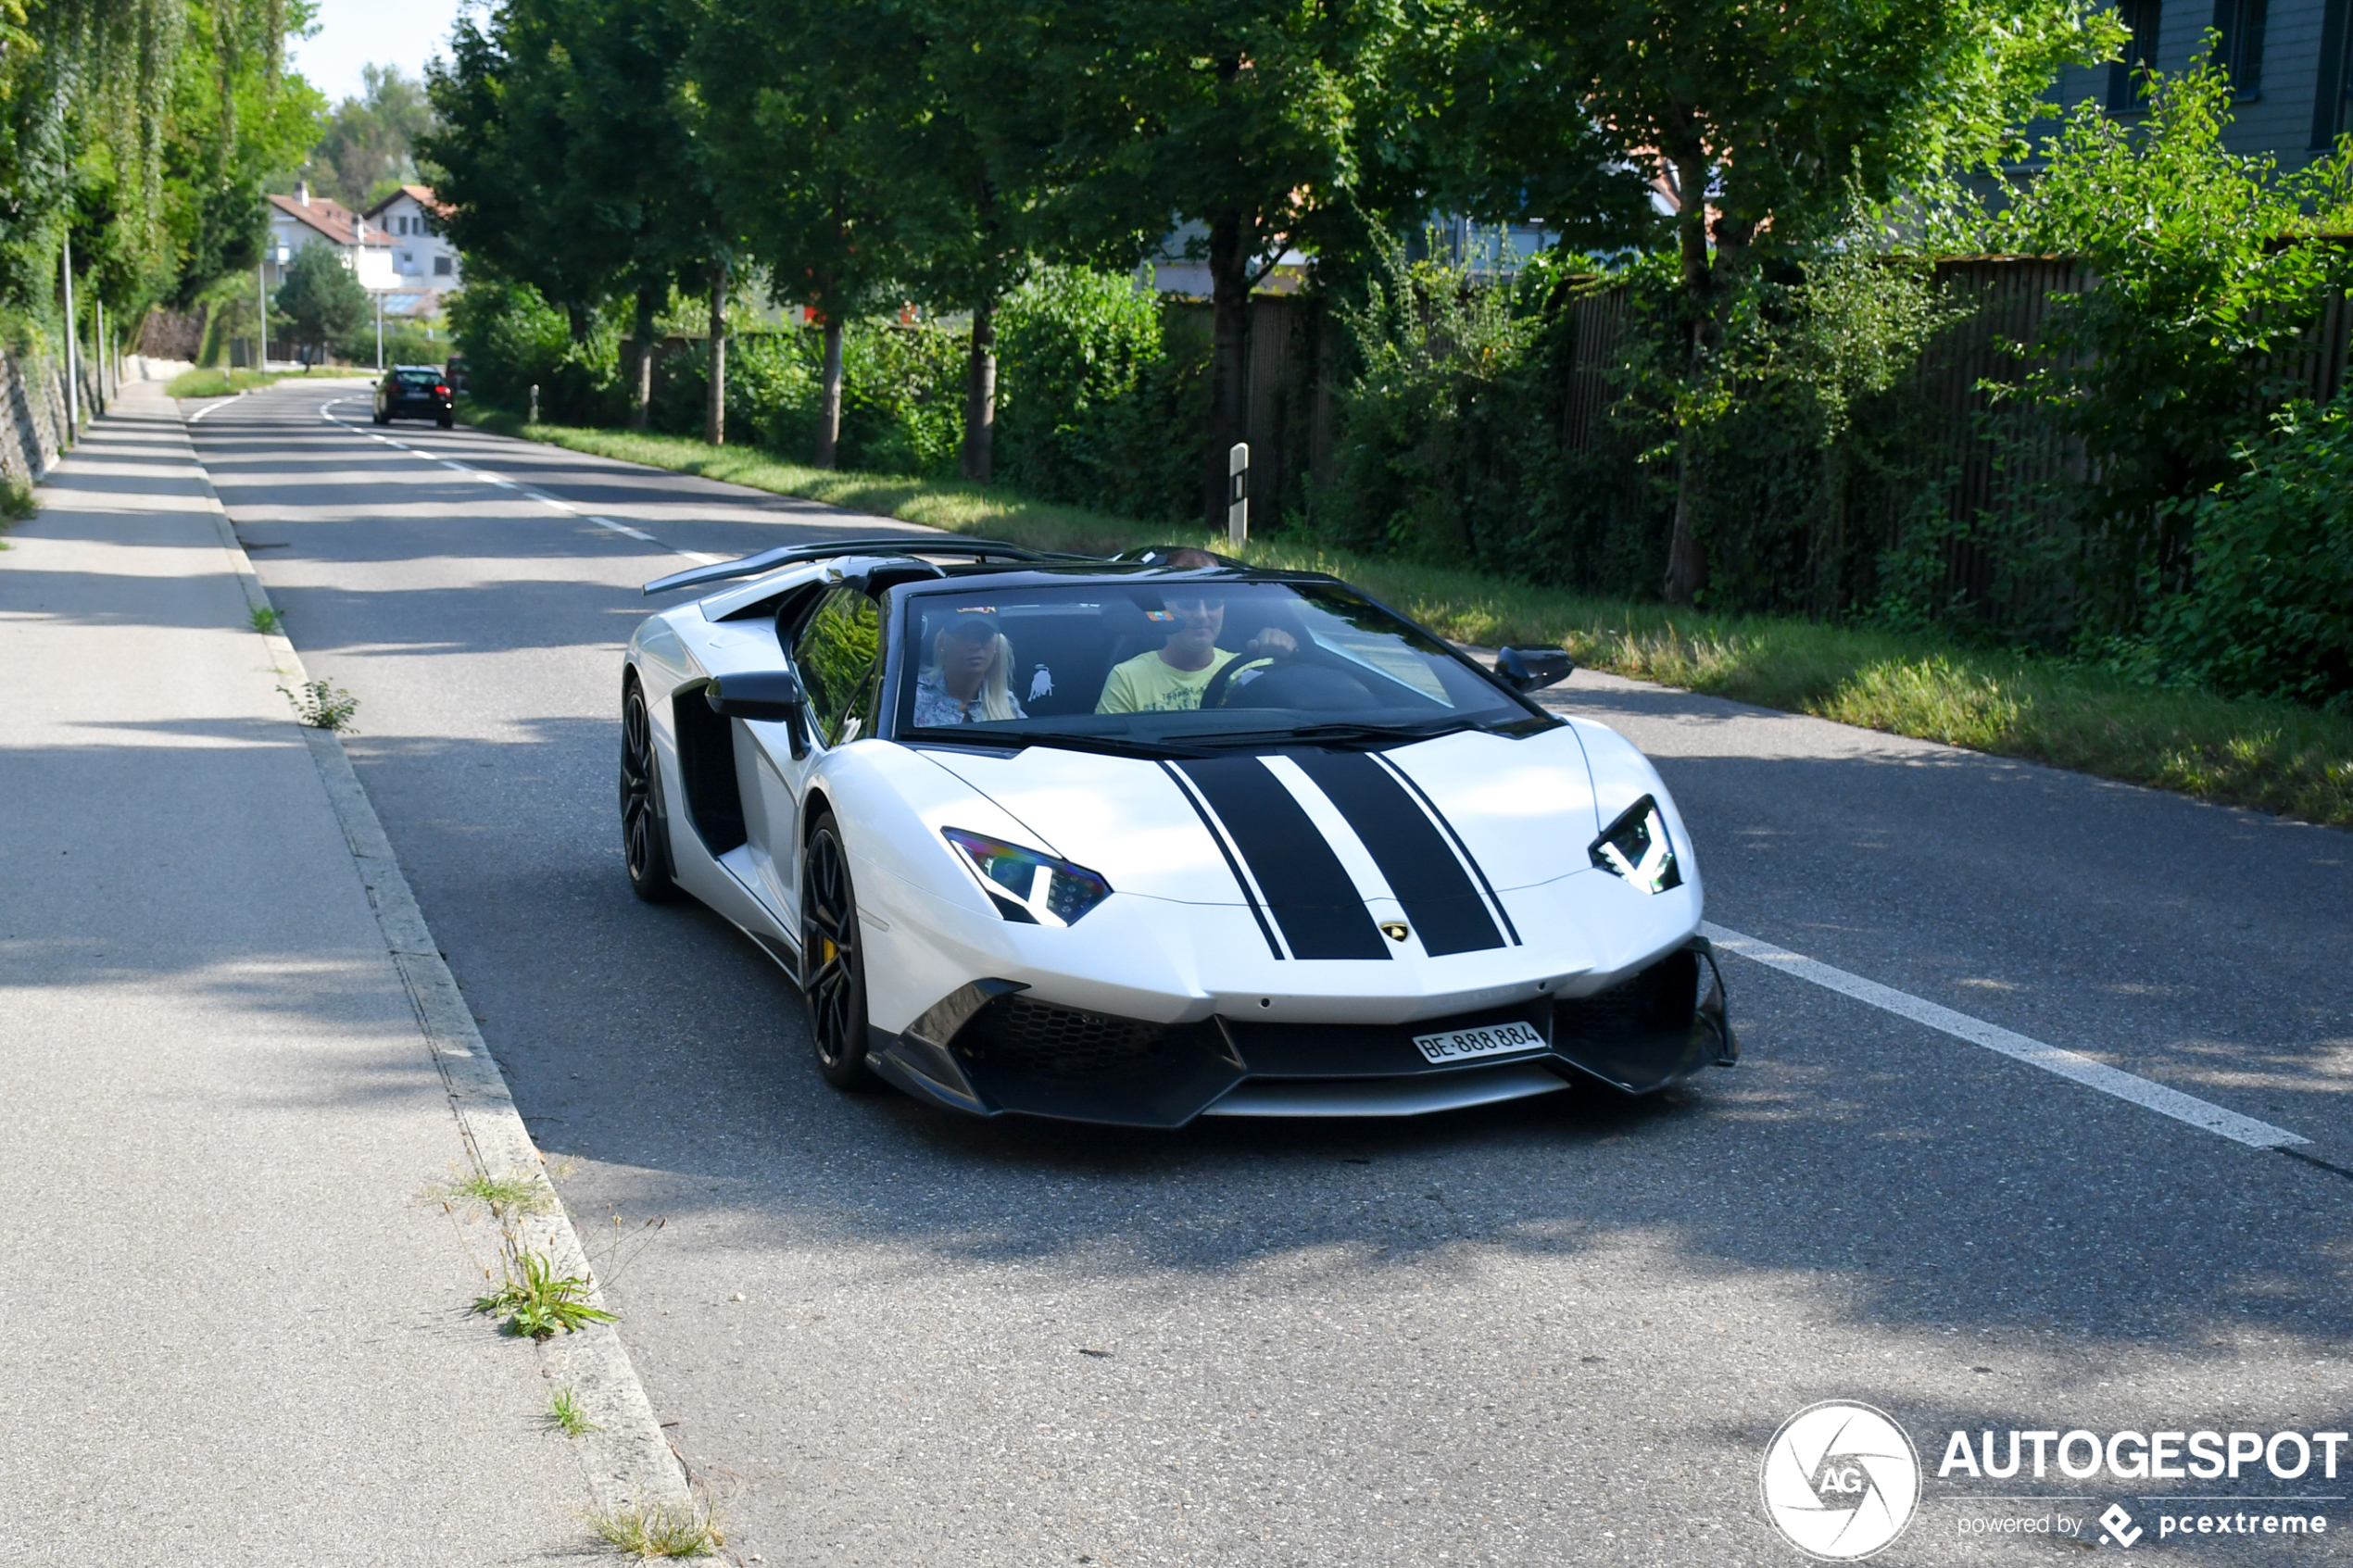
pixel 626 1459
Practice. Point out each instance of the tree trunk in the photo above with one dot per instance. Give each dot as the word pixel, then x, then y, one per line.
pixel 1229 365
pixel 829 396
pixel 641 400
pixel 714 414
pixel 1686 556
pixel 980 395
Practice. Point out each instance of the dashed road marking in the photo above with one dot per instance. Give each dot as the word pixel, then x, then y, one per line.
pixel 2072 1065
pixel 326 413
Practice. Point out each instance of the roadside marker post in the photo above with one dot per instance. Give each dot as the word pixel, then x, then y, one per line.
pixel 1237 496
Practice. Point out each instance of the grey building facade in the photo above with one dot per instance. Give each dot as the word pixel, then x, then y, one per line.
pixel 2287 59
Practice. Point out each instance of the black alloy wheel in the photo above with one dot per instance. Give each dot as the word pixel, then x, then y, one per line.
pixel 833 961
pixel 645 835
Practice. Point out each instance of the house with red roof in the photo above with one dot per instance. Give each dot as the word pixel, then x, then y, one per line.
pixel 422 258
pixel 301 220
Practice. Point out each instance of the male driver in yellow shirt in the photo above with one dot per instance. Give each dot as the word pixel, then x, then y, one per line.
pixel 1172 678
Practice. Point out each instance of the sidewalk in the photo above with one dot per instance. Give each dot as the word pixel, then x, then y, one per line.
pixel 231 1330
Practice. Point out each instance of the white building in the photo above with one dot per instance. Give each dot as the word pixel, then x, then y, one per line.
pixel 301 220
pixel 422 258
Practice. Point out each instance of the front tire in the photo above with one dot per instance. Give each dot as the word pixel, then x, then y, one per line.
pixel 833 961
pixel 645 828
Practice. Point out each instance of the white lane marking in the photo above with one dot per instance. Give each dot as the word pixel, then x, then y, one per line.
pixel 2066 1064
pixel 696 556
pixel 209 409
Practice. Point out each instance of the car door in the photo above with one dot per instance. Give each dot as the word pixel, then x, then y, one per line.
pixel 836 651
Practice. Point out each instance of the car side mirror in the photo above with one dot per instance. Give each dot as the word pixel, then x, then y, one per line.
pixel 1530 670
pixel 772 694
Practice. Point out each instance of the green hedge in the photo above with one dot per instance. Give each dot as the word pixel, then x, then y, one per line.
pixel 1091 384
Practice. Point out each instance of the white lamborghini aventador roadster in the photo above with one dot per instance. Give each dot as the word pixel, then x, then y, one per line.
pixel 1142 840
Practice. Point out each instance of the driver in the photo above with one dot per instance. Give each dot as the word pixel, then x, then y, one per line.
pixel 1171 678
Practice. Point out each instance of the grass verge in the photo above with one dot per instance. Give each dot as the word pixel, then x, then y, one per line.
pixel 220 383
pixel 2276 755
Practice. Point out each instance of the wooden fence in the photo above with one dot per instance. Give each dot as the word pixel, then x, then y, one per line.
pixel 2011 297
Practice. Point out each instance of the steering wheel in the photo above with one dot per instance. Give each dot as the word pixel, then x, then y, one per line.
pixel 1214 694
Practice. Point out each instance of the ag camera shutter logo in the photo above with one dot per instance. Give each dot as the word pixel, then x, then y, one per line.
pixel 1840 1480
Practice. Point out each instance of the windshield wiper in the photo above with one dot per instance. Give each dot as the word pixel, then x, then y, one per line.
pixel 1425 729
pixel 1021 740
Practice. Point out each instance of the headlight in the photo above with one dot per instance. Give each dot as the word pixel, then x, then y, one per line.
pixel 1027 887
pixel 1636 848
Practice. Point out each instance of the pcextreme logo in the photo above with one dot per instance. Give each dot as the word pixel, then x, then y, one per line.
pixel 1840 1480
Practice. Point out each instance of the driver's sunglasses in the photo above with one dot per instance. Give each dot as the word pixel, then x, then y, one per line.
pixel 1193 606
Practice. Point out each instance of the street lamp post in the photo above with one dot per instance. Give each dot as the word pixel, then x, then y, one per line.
pixel 73 382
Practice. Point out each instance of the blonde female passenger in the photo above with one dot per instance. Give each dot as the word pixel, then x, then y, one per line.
pixel 967 682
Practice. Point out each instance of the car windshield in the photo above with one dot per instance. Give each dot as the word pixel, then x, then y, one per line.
pixel 1180 663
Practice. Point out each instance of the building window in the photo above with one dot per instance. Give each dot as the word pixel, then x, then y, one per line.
pixel 2240 49
pixel 2328 106
pixel 441 267
pixel 2141 18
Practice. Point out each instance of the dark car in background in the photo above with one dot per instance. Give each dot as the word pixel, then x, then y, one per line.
pixel 414 392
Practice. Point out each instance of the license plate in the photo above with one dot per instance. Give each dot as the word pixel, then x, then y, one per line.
pixel 1465 1045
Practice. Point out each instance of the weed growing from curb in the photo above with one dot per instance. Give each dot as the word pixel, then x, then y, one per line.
pixel 265 621
pixel 16 501
pixel 566 1416
pixel 324 706
pixel 521 1192
pixel 662 1530
pixel 532 1301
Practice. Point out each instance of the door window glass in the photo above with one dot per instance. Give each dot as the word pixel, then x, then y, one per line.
pixel 837 653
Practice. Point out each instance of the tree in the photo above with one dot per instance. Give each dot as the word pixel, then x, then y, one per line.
pixel 148 127
pixel 804 103
pixel 499 152
pixel 237 126
pixel 570 154
pixel 966 159
pixel 1236 118
pixel 1768 124
pixel 370 142
pixel 321 297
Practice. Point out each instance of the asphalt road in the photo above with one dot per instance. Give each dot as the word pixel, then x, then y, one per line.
pixel 1560 1330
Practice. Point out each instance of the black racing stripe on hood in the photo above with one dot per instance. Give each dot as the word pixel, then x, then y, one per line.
pixel 1441 904
pixel 1310 892
pixel 1493 899
pixel 1209 826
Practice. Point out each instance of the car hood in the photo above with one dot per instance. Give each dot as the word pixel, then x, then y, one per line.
pixel 1509 812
